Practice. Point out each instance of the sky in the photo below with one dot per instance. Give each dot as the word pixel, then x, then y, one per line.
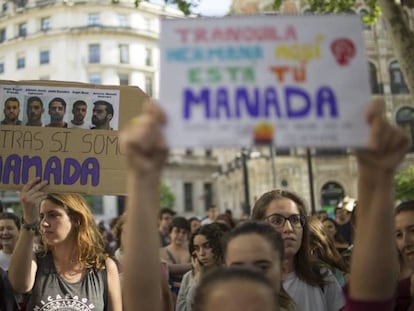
pixel 213 7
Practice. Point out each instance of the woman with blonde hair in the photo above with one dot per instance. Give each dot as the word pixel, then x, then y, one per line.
pixel 71 269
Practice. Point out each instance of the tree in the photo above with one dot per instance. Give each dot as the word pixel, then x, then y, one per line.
pixel 167 197
pixel 396 19
pixel 404 184
pixel 186 6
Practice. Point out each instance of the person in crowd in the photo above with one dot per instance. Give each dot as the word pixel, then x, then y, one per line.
pixel 374 251
pixel 9 233
pixel 79 111
pixel 206 251
pixel 331 228
pixel 322 248
pixel 57 110
pixel 257 245
pixel 103 112
pixel 195 223
pixel 71 268
pixel 7 301
pixel 321 215
pixel 235 288
pixel 11 112
pixel 211 215
pixel 343 219
pixel 165 216
pixel 310 285
pixel 176 254
pixel 226 219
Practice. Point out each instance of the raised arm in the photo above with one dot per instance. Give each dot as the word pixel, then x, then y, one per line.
pixel 146 153
pixel 374 261
pixel 23 266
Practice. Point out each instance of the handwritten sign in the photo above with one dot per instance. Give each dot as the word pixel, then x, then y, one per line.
pixel 236 81
pixel 65 133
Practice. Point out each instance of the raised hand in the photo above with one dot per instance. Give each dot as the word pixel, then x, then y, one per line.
pixel 388 144
pixel 30 198
pixel 143 142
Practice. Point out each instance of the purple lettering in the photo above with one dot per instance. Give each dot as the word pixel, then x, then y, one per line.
pixel 90 167
pixel 28 163
pixel 53 167
pixel 12 165
pixel 71 171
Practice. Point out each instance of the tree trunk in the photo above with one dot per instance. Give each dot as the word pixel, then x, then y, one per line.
pixel 402 37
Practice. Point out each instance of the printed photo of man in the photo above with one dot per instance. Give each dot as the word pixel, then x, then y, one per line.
pixel 79 111
pixel 103 113
pixel 11 112
pixel 34 111
pixel 57 110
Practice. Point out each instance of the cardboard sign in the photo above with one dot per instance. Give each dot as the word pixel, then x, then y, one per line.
pixel 236 81
pixel 83 154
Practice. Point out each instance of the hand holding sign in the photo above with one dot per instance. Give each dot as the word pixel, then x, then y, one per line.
pixel 30 197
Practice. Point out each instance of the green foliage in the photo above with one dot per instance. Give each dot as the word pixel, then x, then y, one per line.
pixel 404 184
pixel 340 6
pixel 167 197
pixel 185 6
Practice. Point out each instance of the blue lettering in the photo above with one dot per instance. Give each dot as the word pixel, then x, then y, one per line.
pixel 28 162
pixel 71 171
pixel 12 166
pixel 290 94
pixel 53 167
pixel 242 97
pixel 222 102
pixel 90 167
pixel 326 97
pixel 271 101
pixel 192 99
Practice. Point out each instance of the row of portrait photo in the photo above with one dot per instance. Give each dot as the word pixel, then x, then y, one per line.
pixel 58 112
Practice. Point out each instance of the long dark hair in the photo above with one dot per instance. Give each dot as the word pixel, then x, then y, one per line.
pixel 214 235
pixel 306 268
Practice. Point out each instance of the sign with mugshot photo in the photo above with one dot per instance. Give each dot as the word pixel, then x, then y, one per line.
pixel 66 133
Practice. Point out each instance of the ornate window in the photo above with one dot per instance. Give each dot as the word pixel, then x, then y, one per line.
pixel 398 85
pixel 405 119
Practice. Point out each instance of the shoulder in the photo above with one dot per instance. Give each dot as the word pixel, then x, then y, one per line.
pixel 111 266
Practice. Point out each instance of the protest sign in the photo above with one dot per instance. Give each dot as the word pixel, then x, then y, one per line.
pixel 290 80
pixel 66 134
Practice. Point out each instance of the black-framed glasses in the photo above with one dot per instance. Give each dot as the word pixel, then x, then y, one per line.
pixel 278 220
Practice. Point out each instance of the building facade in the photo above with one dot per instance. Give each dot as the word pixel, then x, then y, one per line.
pixel 102 42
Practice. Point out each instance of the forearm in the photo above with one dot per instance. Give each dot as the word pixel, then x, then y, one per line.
pixel 142 262
pixel 374 260
pixel 179 268
pixel 22 270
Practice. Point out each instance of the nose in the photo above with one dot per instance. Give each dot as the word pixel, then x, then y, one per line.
pixel 202 251
pixel 287 227
pixel 407 240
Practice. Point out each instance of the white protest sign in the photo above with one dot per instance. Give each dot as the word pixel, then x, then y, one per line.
pixel 236 81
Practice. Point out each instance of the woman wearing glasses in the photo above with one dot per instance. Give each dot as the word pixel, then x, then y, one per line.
pixel 311 286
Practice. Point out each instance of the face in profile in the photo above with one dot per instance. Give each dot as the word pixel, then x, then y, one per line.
pixel 56 111
pixel 34 111
pixel 404 235
pixel 79 112
pixel 11 110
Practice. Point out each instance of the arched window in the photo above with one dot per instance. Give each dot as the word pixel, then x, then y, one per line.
pixel 331 194
pixel 362 14
pixel 405 119
pixel 375 86
pixel 398 85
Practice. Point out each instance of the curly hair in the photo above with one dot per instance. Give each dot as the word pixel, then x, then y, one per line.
pixel 90 247
pixel 305 267
pixel 214 235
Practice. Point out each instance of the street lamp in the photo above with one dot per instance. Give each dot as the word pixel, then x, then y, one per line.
pixel 244 157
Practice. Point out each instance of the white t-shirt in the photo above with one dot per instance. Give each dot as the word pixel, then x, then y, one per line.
pixel 4 260
pixel 311 298
pixel 82 126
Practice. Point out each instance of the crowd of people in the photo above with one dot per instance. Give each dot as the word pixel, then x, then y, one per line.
pixel 58 258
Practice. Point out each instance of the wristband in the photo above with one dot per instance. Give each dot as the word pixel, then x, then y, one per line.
pixel 32 228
